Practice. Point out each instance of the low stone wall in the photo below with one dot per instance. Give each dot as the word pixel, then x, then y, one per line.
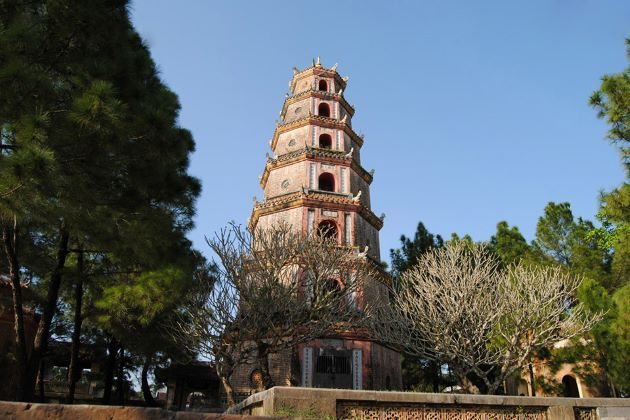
pixel 24 411
pixel 348 404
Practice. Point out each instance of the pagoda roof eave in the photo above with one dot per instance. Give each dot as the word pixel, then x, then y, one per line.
pixel 316 70
pixel 316 154
pixel 313 198
pixel 317 94
pixel 320 122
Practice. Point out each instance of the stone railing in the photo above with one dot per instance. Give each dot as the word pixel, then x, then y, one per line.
pixel 383 405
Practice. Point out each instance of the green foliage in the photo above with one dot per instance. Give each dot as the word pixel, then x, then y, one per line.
pixel 553 232
pixel 612 102
pixel 410 249
pixel 510 245
pixel 561 239
pixel 619 358
pixel 139 299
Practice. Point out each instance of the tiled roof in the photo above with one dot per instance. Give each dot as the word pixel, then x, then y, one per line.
pixel 306 197
pixel 318 94
pixel 309 152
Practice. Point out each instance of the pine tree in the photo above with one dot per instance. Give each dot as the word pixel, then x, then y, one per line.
pixel 91 148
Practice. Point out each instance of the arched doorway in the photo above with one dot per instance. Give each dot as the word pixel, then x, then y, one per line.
pixel 570 386
pixel 325 141
pixel 326 182
pixel 323 110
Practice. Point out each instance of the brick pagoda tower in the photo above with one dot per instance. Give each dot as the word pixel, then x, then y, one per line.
pixel 315 180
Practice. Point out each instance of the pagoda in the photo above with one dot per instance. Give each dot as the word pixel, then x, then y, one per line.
pixel 314 181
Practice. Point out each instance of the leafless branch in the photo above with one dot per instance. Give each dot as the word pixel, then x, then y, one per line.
pixel 457 305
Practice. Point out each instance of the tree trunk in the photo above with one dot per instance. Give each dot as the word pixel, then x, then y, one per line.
pixel 120 387
pixel 229 390
pixel 40 345
pixel 224 372
pixel 110 365
pixel 464 382
pixel 434 368
pixel 532 378
pixel 74 370
pixel 10 239
pixel 263 362
pixel 40 381
pixel 146 390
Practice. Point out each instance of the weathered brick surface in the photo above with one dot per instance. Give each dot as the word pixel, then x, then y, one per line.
pixel 279 369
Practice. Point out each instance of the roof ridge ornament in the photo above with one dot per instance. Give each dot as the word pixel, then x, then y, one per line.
pixel 334 68
pixel 318 64
pixel 364 253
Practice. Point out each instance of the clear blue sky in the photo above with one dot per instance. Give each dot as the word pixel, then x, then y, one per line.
pixel 473 111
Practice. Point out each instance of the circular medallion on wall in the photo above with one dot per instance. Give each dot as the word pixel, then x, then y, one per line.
pixel 256 379
pixel 291 142
pixel 297 110
pixel 285 184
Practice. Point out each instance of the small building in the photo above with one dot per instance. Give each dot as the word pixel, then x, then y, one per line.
pixel 191 387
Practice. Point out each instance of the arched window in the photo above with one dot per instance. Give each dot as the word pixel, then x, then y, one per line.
pixel 323 85
pixel 323 110
pixel 326 182
pixel 327 229
pixel 570 387
pixel 325 141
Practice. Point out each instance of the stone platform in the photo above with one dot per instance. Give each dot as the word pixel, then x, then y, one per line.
pixel 348 404
pixel 24 411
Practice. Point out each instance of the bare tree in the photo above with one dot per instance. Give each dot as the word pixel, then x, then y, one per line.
pixel 456 304
pixel 274 290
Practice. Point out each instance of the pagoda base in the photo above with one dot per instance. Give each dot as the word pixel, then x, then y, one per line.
pixel 342 363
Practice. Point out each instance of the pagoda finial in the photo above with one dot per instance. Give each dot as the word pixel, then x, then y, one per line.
pixel 318 64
